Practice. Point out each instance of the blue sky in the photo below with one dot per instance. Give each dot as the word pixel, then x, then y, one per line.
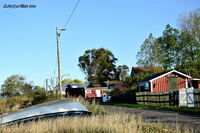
pixel 28 39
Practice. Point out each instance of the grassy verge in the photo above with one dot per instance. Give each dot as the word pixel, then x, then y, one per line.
pixel 100 122
pixel 115 123
pixel 92 106
pixel 171 108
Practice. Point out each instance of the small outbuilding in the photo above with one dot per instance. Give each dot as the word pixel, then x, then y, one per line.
pixel 94 92
pixel 74 89
pixel 165 81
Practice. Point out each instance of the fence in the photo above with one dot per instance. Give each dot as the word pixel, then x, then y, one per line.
pixel 124 98
pixel 197 98
pixel 164 98
pixel 158 99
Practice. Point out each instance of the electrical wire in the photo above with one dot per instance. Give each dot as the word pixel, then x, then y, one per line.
pixel 71 14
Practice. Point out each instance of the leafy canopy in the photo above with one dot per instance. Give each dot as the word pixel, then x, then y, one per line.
pixel 16 85
pixel 98 65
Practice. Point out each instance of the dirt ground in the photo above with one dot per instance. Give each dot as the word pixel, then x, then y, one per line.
pixel 175 120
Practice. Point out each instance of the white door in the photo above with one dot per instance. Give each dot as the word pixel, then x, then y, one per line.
pixel 98 93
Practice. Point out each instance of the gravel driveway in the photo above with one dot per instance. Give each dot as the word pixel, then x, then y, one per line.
pixel 172 119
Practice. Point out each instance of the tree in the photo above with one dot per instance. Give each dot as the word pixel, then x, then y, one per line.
pixel 39 95
pixel 149 54
pixel 67 81
pixel 122 72
pixel 190 22
pixel 169 45
pixel 16 85
pixel 189 55
pixel 98 65
pixel 173 50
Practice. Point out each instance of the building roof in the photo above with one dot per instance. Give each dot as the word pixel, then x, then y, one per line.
pixel 136 70
pixel 147 68
pixel 113 82
pixel 158 75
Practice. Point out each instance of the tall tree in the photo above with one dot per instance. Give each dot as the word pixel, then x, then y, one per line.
pixel 122 72
pixel 150 53
pixel 169 47
pixel 190 22
pixel 98 65
pixel 189 54
pixel 173 50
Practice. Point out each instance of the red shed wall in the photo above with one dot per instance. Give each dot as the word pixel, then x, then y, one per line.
pixel 161 84
pixel 181 82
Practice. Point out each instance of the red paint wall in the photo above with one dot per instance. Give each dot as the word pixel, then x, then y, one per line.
pixel 92 95
pixel 181 83
pixel 161 84
pixel 199 85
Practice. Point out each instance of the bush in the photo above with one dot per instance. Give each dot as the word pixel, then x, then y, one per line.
pixel 14 103
pixel 17 102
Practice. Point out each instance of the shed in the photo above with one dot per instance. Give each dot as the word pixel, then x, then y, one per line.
pixel 165 81
pixel 74 89
pixel 94 92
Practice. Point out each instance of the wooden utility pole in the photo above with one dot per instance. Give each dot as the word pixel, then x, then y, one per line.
pixel 58 56
pixel 47 86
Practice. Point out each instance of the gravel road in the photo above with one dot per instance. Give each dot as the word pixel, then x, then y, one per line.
pixel 172 119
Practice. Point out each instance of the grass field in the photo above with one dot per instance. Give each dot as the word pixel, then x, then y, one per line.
pixel 100 122
pixel 112 123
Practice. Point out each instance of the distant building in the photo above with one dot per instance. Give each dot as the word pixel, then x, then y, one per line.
pixel 89 92
pixel 74 89
pixel 94 92
pixel 98 91
pixel 113 85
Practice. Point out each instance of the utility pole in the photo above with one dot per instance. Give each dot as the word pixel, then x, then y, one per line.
pixel 58 56
pixel 47 86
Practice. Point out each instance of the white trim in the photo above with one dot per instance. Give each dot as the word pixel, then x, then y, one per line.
pixel 151 85
pixel 186 83
pixel 169 73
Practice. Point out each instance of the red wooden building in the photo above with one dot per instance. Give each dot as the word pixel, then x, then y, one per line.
pixel 165 81
pixel 94 92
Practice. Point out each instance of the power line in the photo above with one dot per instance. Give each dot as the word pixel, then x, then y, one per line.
pixel 71 14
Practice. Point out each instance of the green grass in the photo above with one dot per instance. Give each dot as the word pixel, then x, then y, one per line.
pixel 171 108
